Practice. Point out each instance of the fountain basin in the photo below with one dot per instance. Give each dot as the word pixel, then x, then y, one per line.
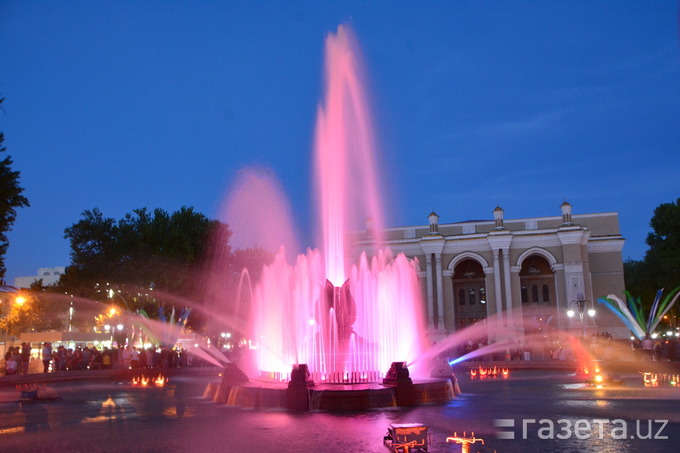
pixel 331 397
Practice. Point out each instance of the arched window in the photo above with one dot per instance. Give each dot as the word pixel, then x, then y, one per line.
pixel 461 296
pixel 546 293
pixel 525 296
pixel 534 293
pixel 472 296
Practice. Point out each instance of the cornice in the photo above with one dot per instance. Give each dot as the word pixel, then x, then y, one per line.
pixel 606 244
pixel 432 244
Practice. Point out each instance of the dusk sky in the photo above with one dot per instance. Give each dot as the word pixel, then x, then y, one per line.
pixel 159 104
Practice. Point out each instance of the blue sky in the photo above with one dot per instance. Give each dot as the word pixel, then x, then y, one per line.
pixel 158 104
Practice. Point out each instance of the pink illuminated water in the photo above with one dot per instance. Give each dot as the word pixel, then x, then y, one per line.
pixel 344 151
pixel 297 316
pixel 256 194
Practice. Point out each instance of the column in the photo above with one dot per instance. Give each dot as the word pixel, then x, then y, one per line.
pixel 440 292
pixel 508 286
pixel 430 296
pixel 449 300
pixel 497 284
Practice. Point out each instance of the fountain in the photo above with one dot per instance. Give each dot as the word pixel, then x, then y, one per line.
pixel 347 322
pixel 342 320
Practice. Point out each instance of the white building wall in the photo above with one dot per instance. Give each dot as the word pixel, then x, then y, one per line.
pixel 584 252
pixel 49 276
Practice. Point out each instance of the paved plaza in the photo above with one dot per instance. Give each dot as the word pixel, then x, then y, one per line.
pixel 108 415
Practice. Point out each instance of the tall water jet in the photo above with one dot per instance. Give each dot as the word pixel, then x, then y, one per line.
pixel 345 153
pixel 347 321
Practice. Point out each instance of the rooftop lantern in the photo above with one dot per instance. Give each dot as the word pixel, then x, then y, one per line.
pixel 498 218
pixel 434 222
pixel 566 213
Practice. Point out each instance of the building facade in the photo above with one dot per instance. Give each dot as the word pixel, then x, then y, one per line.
pixel 48 275
pixel 525 274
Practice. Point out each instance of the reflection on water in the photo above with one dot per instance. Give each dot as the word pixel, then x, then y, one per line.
pixel 112 417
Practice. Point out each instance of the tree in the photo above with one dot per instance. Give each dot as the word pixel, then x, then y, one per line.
pixel 93 249
pixel 223 290
pixel 25 312
pixel 640 280
pixel 664 245
pixel 11 198
pixel 660 267
pixel 151 259
pixel 145 260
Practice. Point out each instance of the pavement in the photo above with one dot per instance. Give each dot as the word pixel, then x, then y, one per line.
pixel 615 366
pixel 113 374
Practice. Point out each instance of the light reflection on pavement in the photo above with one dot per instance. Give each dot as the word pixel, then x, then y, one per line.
pixel 106 416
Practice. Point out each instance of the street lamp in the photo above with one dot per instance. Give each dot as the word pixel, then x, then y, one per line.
pixel 581 304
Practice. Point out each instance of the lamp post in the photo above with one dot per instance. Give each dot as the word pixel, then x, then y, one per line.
pixel 109 329
pixel 18 301
pixel 581 305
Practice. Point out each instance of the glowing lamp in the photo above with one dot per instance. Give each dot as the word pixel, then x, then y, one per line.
pixel 570 313
pixel 464 441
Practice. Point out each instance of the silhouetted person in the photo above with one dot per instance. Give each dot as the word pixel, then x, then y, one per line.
pixel 46 356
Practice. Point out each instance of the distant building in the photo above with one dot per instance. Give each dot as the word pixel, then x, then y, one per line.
pixel 49 276
pixel 529 272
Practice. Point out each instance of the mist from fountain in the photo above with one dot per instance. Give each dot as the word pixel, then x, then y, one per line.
pixel 346 319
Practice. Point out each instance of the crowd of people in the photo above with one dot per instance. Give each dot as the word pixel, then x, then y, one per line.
pixel 600 345
pixel 657 349
pixel 22 360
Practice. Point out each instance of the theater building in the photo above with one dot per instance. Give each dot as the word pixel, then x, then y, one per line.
pixel 525 273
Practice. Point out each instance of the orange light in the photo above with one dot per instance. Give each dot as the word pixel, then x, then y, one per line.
pixel 464 441
pixel 20 300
